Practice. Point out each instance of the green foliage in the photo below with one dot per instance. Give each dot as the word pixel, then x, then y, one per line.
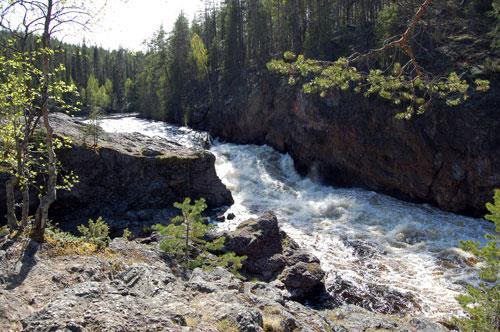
pixel 187 231
pixel 60 236
pixel 200 54
pixel 289 56
pixel 62 243
pixel 127 234
pixel 25 155
pixel 98 96
pixel 489 253
pixel 495 31
pixel 482 303
pixel 97 233
pixel 322 78
pixel 186 239
pixel 231 261
pixel 388 22
pixel 494 209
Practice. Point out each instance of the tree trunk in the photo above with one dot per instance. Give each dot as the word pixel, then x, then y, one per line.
pixel 186 221
pixel 26 207
pixel 11 202
pixel 50 195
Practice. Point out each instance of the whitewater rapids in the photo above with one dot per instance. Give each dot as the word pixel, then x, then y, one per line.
pixel 412 247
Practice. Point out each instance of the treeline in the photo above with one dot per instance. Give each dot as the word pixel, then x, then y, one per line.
pixel 103 78
pixel 218 59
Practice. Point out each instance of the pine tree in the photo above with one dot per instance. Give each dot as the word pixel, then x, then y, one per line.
pixel 179 49
pixel 187 231
pixel 482 304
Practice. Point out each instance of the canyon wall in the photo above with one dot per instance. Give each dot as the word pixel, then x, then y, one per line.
pixel 449 157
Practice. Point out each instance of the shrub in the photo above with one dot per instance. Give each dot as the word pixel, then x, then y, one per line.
pixel 482 303
pixel 96 233
pixel 65 244
pixel 127 234
pixel 231 261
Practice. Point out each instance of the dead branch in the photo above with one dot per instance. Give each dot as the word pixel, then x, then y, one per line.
pixel 402 43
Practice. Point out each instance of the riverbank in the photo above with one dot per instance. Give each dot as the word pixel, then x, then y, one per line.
pixel 133 286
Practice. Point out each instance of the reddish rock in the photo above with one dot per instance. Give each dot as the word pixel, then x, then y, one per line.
pixel 449 157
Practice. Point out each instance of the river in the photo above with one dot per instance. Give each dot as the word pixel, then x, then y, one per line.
pixel 404 246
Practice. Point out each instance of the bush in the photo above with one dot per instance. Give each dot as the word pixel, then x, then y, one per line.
pixel 66 244
pixel 231 261
pixel 482 303
pixel 96 233
pixel 127 234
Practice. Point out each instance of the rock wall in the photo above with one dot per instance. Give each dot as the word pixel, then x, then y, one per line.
pixel 447 157
pixel 130 178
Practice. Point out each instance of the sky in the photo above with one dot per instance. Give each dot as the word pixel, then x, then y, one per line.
pixel 128 23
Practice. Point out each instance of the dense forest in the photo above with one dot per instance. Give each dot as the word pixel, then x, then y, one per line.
pixel 220 57
pixel 238 39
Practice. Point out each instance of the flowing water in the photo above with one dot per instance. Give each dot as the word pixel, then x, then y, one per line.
pixel 362 236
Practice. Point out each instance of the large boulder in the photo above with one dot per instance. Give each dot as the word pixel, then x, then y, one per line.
pixel 272 255
pixel 258 239
pixel 130 172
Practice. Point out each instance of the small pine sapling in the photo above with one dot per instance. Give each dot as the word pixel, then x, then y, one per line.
pixel 96 233
pixel 482 303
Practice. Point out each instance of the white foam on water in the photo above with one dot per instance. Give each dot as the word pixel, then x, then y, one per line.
pixel 127 124
pixel 415 244
pixel 409 239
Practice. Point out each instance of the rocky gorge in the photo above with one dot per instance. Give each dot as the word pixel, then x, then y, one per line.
pixel 449 157
pixel 362 278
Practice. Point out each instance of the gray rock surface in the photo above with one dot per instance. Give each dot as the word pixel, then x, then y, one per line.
pixel 138 288
pixel 131 179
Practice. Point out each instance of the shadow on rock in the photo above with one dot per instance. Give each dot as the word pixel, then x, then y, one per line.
pixel 27 262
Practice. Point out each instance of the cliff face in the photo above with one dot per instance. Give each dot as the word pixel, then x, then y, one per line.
pixel 131 179
pixel 447 157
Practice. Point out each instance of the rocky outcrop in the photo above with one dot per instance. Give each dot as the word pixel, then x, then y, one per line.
pixel 131 179
pixel 273 255
pixel 449 157
pixel 137 288
pixel 374 297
